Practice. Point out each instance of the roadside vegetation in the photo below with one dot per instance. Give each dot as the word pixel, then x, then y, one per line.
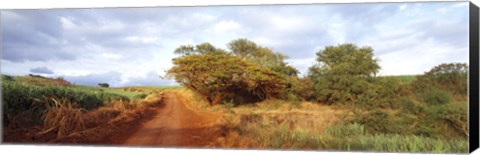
pixel 42 109
pixel 342 104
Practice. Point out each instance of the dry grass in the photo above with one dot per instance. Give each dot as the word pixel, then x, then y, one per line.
pixel 62 118
pixel 64 122
pixel 251 126
pixel 115 119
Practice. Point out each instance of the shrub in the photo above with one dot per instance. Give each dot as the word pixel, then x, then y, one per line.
pixel 435 96
pixel 104 85
pixel 343 73
pixel 7 78
pixel 140 96
pixel 451 77
pixel 301 88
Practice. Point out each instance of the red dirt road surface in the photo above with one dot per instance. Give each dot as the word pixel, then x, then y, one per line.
pixel 174 125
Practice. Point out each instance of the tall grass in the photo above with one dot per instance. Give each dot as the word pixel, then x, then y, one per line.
pixel 351 137
pixel 62 117
pixel 18 98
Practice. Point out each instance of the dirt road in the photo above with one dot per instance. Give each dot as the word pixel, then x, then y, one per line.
pixel 174 125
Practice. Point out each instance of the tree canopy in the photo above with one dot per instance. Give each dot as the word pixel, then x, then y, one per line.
pixel 450 77
pixel 219 76
pixel 343 73
pixel 262 56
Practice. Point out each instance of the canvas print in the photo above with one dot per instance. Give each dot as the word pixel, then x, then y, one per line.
pixel 371 77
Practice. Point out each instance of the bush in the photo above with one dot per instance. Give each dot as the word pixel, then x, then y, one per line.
pixel 140 96
pixel 6 78
pixel 343 73
pixel 301 88
pixel 435 96
pixel 451 77
pixel 104 85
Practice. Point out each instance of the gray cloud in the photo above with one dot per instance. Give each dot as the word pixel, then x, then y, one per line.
pixel 31 35
pixel 121 46
pixel 112 78
pixel 151 79
pixel 363 17
pixel 41 70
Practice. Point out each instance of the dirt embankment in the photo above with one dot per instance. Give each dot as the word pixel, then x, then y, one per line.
pixel 173 125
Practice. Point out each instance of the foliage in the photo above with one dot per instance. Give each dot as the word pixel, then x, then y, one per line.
pixel 131 95
pixel 350 137
pixel 451 77
pixel 262 56
pixel 104 85
pixel 140 96
pixel 6 78
pixel 20 97
pixel 343 73
pixel 221 76
pixel 387 92
pixel 267 58
pixel 434 96
pixel 39 80
pixel 303 88
pixel 203 48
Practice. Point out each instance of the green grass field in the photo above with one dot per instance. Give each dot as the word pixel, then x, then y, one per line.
pixel 156 87
pixel 404 79
pixel 129 94
pixel 31 95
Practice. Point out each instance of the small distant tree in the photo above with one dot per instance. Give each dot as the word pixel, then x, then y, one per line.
pixel 344 73
pixel 104 85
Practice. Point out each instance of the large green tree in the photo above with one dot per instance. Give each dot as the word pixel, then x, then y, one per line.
pixel 262 56
pixel 344 73
pixel 219 76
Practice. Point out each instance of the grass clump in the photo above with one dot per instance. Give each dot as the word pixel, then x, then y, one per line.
pixel 350 137
pixel 63 118
pixel 27 100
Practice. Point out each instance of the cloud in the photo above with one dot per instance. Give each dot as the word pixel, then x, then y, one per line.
pixel 112 78
pixel 41 70
pixel 117 79
pixel 130 46
pixel 150 79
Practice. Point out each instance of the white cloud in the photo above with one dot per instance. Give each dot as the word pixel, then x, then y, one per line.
pixel 67 23
pixel 205 17
pixel 302 64
pixel 288 23
pixel 442 10
pixel 144 40
pixel 135 46
pixel 428 55
pixel 111 56
pixel 224 26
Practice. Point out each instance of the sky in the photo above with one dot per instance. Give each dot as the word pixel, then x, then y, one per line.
pixel 134 46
